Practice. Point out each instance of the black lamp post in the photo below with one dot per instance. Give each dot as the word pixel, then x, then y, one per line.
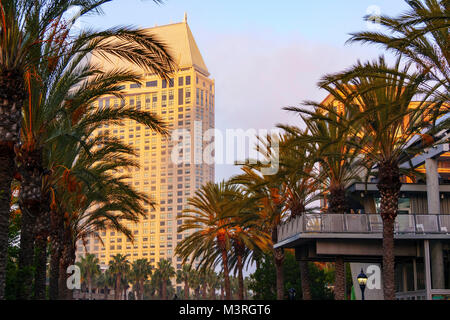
pixel 362 280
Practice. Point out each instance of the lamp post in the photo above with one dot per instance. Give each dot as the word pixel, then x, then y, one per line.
pixel 362 280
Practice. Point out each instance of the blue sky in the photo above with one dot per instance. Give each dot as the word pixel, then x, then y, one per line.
pixel 262 54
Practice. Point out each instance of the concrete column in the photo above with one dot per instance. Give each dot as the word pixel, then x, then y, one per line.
pixel 431 167
pixel 404 277
pixel 426 245
pixel 434 207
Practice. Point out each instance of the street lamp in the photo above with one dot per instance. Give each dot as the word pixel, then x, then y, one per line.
pixel 362 280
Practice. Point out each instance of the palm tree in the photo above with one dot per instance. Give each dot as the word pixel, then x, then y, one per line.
pixel 141 269
pixel 194 283
pixel 380 97
pixel 105 280
pixel 327 141
pixel 119 267
pixel 267 191
pixel 63 88
pixel 183 276
pixel 166 271
pixel 213 282
pixel 28 29
pixel 246 235
pixel 156 283
pixel 90 268
pixel 420 35
pixel 209 213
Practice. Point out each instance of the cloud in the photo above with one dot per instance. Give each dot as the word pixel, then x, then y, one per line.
pixel 257 75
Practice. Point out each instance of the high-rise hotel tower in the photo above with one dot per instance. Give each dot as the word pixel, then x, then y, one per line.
pixel 186 101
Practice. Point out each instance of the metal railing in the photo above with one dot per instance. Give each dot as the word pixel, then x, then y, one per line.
pixel 418 224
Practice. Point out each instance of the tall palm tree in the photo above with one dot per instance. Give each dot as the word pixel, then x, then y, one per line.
pixel 183 276
pixel 105 280
pixel 166 271
pixel 194 283
pixel 119 267
pixel 327 140
pixel 63 88
pixel 90 268
pixel 380 97
pixel 246 235
pixel 213 281
pixel 209 213
pixel 141 269
pixel 156 283
pixel 267 191
pixel 421 35
pixel 22 25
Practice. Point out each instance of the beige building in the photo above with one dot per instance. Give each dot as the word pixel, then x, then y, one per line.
pixel 184 102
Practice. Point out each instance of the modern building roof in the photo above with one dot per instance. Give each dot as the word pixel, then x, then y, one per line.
pixel 181 43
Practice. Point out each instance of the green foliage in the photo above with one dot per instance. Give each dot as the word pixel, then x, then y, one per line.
pixel 263 281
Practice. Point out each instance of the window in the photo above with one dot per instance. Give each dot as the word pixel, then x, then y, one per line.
pixel 164 83
pixel 180 81
pixel 188 80
pixel 135 85
pixel 171 83
pixel 152 83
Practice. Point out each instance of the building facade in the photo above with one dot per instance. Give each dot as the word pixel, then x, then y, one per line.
pixel 421 231
pixel 186 104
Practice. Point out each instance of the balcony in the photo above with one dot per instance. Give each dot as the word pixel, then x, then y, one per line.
pixel 362 226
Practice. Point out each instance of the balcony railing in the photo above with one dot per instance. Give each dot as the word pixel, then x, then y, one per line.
pixel 410 224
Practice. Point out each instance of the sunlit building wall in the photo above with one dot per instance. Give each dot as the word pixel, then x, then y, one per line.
pixel 186 101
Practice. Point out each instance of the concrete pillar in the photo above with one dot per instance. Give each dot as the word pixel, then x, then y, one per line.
pixel 431 167
pixel 404 277
pixel 437 264
pixel 426 244
pixel 434 207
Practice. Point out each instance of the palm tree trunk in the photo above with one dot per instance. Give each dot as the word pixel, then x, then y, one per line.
pixel 55 258
pixel 105 297
pixel 389 186
pixel 12 95
pixel 240 277
pixel 186 289
pixel 279 259
pixel 226 275
pixel 204 293
pixel 26 255
pixel 117 288
pixel 41 241
pixel 90 287
pixel 339 286
pixel 56 228
pixel 141 289
pixel 6 177
pixel 222 292
pixel 305 281
pixel 32 206
pixel 40 274
pixel 164 290
pixel 388 260
pixel 62 280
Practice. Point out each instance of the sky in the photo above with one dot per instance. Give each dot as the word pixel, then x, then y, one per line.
pixel 263 55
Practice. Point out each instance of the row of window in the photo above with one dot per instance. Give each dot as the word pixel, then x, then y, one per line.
pixel 154 83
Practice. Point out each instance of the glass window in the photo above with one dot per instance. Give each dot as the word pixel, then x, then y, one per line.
pixel 152 83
